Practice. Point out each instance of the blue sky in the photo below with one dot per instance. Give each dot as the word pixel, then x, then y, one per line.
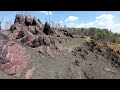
pixel 99 19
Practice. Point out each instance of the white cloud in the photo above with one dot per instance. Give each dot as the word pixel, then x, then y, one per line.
pixel 46 12
pixel 105 21
pixel 60 22
pixel 72 18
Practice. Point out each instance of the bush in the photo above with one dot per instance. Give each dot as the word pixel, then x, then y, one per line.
pixel 87 39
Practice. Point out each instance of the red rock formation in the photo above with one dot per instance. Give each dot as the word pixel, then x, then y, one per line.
pixel 13 57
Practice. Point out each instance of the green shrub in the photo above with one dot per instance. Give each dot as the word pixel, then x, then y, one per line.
pixel 87 39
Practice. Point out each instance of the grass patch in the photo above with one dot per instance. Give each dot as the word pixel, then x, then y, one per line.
pixel 51 37
pixel 87 39
pixel 114 46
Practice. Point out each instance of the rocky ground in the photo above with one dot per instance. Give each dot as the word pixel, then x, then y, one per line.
pixel 67 64
pixel 30 50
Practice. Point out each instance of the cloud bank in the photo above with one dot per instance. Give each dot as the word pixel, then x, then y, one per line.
pixel 104 21
pixel 46 12
pixel 71 18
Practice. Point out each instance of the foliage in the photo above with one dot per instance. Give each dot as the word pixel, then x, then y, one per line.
pixel 114 46
pixel 104 35
pixel 87 39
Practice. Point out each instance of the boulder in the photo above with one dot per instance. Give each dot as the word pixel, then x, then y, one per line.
pixel 46 29
pixel 41 49
pixel 16 26
pixel 41 40
pixel 46 40
pixel 25 40
pixel 32 29
pixel 35 43
pixel 28 20
pixel 38 30
pixel 58 45
pixel 20 19
pixel 20 34
pixel 13 57
pixel 35 35
pixel 37 22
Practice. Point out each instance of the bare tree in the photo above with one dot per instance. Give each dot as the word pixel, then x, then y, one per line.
pixel 56 25
pixel 1 20
pixel 53 24
pixel 65 26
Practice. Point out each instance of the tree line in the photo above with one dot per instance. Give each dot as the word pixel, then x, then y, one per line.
pixel 104 35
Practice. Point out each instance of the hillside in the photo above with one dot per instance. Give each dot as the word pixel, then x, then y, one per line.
pixel 103 35
pixel 32 50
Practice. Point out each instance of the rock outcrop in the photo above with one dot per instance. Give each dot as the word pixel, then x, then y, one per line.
pixel 13 57
pixel 31 32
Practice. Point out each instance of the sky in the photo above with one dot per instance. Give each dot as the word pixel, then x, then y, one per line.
pixel 99 19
